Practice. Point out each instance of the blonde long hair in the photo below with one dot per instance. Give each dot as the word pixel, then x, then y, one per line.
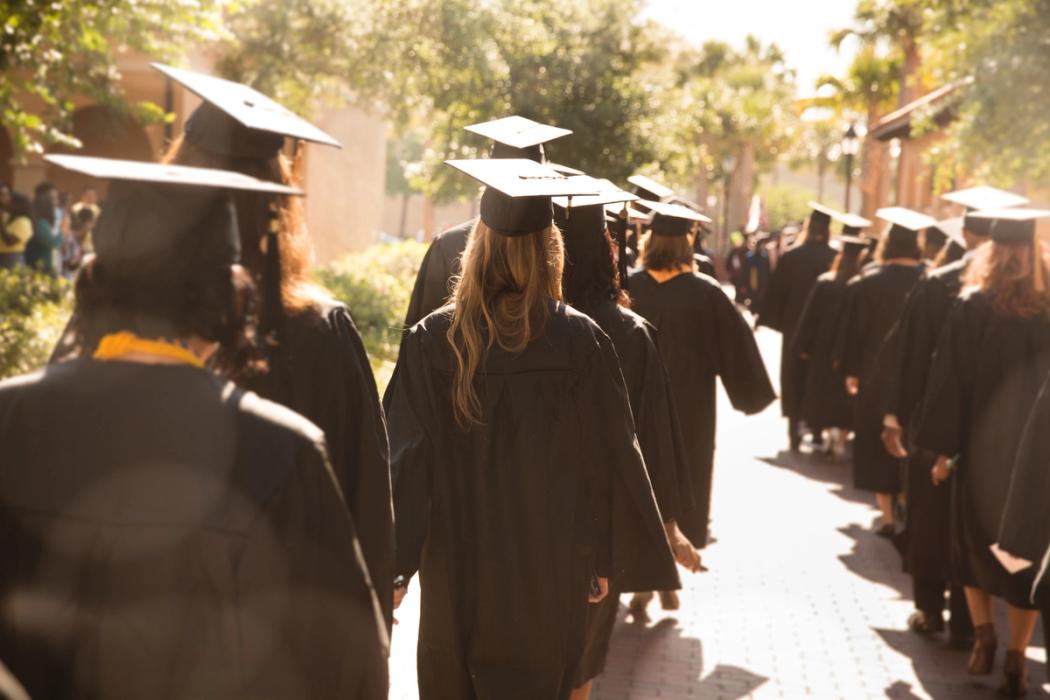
pixel 501 298
pixel 1005 272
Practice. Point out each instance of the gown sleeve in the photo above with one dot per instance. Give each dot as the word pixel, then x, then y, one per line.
pixel 943 426
pixel 806 332
pixel 738 360
pixel 632 542
pixel 411 453
pixel 308 622
pixel 846 356
pixel 431 288
pixel 657 425
pixel 1025 529
pixel 774 305
pixel 355 428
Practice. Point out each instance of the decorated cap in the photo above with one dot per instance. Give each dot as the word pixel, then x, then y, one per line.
pixel 518 191
pixel 984 197
pixel 1009 225
pixel 238 121
pixel 160 221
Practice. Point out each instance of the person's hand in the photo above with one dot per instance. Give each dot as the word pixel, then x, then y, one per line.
pixel 940 471
pixel 683 550
pixel 891 440
pixel 603 588
pixel 852 385
pixel 399 595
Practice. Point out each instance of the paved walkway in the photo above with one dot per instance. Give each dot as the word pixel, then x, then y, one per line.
pixel 801 600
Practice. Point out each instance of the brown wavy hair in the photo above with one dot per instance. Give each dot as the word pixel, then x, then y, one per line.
pixel 501 298
pixel 666 252
pixel 298 293
pixel 848 262
pixel 1004 271
pixel 898 242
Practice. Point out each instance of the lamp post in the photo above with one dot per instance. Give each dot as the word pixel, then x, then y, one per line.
pixel 850 148
pixel 728 165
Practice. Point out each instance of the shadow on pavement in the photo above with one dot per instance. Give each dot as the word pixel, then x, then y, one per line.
pixel 942 674
pixel 816 467
pixel 651 660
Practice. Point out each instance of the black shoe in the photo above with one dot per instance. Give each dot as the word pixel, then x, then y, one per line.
pixel 921 623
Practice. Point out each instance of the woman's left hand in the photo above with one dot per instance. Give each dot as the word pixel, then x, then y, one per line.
pixel 940 471
pixel 683 550
pixel 603 590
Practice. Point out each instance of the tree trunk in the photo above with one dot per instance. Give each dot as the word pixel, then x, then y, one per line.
pixel 910 73
pixel 822 168
pixel 874 170
pixel 428 219
pixel 404 214
pixel 741 187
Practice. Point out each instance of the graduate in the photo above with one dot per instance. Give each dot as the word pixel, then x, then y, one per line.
pixel 184 538
pixel 702 336
pixel 314 360
pixel 826 405
pixel 591 285
pixel 991 360
pixel 793 277
pixel 512 137
pixel 926 537
pixel 875 299
pixel 519 487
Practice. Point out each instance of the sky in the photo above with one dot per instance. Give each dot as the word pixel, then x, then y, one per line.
pixel 799 27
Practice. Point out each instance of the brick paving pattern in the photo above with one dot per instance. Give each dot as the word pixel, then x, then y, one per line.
pixel 802 600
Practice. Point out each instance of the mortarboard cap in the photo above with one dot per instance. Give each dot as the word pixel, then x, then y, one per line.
pixel 632 213
pixel 160 222
pixel 906 219
pixel 1012 224
pixel 608 193
pixel 851 223
pixel 854 241
pixel 518 132
pixel 823 214
pixel 952 229
pixel 649 189
pixel 518 191
pixel 564 169
pixel 673 219
pixel 984 197
pixel 239 121
pixel 518 137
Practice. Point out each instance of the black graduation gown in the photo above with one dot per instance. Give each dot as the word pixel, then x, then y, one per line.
pixel 434 281
pixel 789 286
pixel 926 540
pixel 705 265
pixel 321 371
pixel 874 301
pixel 982 386
pixel 656 424
pixel 167 535
pixel 825 402
pixel 507 522
pixel 1025 527
pixel 702 336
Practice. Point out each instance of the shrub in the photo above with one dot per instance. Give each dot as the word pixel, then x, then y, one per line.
pixel 34 309
pixel 376 284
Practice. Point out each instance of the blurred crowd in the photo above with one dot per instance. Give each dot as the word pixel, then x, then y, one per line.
pixel 50 231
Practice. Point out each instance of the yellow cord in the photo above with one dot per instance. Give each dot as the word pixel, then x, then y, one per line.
pixel 118 345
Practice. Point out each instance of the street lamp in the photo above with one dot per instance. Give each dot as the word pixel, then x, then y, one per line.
pixel 850 148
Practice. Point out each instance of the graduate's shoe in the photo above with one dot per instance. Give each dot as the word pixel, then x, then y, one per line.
pixel 1015 675
pixel 637 607
pixel 982 658
pixel 921 623
pixel 669 600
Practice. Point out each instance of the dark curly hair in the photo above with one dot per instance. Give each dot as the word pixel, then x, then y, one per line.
pixel 216 303
pixel 590 275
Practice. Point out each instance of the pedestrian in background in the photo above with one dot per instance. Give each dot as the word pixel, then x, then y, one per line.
pixel 16 231
pixel 42 250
